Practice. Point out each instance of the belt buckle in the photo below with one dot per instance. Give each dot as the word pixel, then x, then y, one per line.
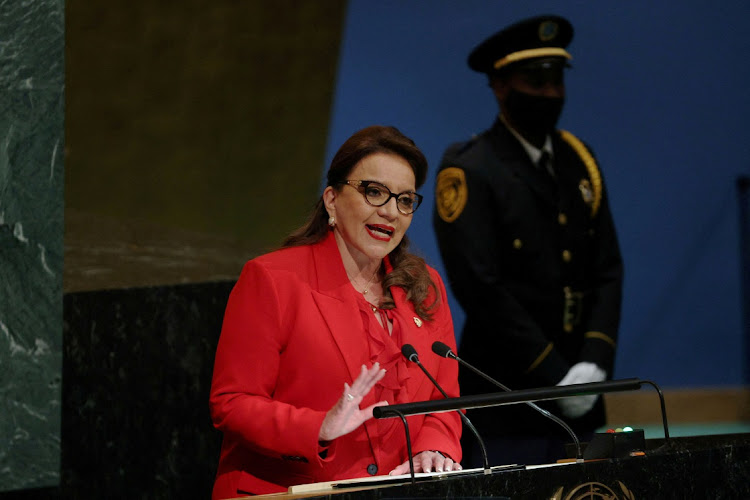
pixel 572 309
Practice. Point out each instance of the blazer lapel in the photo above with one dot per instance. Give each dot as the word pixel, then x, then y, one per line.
pixel 334 298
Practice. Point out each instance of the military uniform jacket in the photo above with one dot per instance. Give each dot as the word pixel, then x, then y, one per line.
pixel 533 260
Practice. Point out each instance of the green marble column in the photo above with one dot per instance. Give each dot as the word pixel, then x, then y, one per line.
pixel 31 241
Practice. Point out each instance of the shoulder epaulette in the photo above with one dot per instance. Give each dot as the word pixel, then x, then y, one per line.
pixel 591 166
pixel 461 147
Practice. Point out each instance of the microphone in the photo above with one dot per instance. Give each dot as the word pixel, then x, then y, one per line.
pixel 410 353
pixel 444 351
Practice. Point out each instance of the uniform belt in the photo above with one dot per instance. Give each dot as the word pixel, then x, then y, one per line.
pixel 573 308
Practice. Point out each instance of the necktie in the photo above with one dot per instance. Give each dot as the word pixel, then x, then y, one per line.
pixel 545 163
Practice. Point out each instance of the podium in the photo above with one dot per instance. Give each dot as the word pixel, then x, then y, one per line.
pixel 690 467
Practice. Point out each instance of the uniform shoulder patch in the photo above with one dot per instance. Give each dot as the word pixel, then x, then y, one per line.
pixel 451 193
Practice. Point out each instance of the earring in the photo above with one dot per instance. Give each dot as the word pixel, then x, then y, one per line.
pixel 331 221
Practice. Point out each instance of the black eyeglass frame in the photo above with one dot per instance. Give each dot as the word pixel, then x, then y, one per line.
pixel 361 186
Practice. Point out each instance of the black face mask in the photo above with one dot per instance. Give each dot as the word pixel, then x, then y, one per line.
pixel 532 114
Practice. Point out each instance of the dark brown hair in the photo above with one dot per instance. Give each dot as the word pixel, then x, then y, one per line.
pixel 409 271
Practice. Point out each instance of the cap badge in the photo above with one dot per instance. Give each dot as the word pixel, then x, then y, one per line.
pixel 451 193
pixel 586 192
pixel 547 31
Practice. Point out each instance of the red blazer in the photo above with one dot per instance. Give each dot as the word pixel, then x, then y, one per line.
pixel 292 336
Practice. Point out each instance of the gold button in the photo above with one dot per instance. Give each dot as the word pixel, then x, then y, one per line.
pixel 566 256
pixel 562 219
pixel 568 328
pixel 517 244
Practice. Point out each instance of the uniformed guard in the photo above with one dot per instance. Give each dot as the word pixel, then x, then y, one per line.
pixel 528 242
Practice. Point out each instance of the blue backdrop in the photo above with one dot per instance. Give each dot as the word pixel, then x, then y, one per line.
pixel 658 89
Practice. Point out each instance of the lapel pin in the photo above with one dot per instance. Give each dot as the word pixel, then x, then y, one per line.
pixel 417 322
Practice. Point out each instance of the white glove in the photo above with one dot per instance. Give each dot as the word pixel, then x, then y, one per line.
pixel 580 373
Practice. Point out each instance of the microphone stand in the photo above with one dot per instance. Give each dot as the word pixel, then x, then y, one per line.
pixel 522 396
pixel 445 351
pixel 667 442
pixel 464 418
pixel 408 445
pixel 554 418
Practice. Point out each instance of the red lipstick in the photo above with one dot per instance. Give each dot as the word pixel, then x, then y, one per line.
pixel 380 231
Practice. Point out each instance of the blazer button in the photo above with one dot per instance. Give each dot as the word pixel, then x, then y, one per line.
pixel 372 469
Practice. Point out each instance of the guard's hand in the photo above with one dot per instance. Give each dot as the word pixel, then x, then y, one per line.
pixel 580 373
pixel 577 406
pixel 345 416
pixel 583 373
pixel 428 461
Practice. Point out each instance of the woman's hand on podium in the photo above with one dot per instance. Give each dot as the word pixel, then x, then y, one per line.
pixel 345 416
pixel 428 461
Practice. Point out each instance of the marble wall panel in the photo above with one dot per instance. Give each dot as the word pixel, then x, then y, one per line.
pixel 31 230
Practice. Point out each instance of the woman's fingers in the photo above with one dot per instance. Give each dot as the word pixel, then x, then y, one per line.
pixel 368 411
pixel 401 469
pixel 428 461
pixel 365 381
pixel 359 383
pixel 349 396
pixel 442 463
pixel 345 416
pixel 367 378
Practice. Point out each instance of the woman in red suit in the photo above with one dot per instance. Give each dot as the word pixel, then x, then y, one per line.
pixel 312 337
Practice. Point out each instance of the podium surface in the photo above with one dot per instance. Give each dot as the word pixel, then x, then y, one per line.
pixel 689 467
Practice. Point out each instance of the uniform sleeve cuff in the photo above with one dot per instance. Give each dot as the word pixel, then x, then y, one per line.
pixel 599 348
pixel 548 368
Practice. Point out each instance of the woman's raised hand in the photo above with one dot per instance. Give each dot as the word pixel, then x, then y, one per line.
pixel 345 416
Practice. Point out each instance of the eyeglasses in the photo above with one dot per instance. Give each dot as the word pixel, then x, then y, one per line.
pixel 378 195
